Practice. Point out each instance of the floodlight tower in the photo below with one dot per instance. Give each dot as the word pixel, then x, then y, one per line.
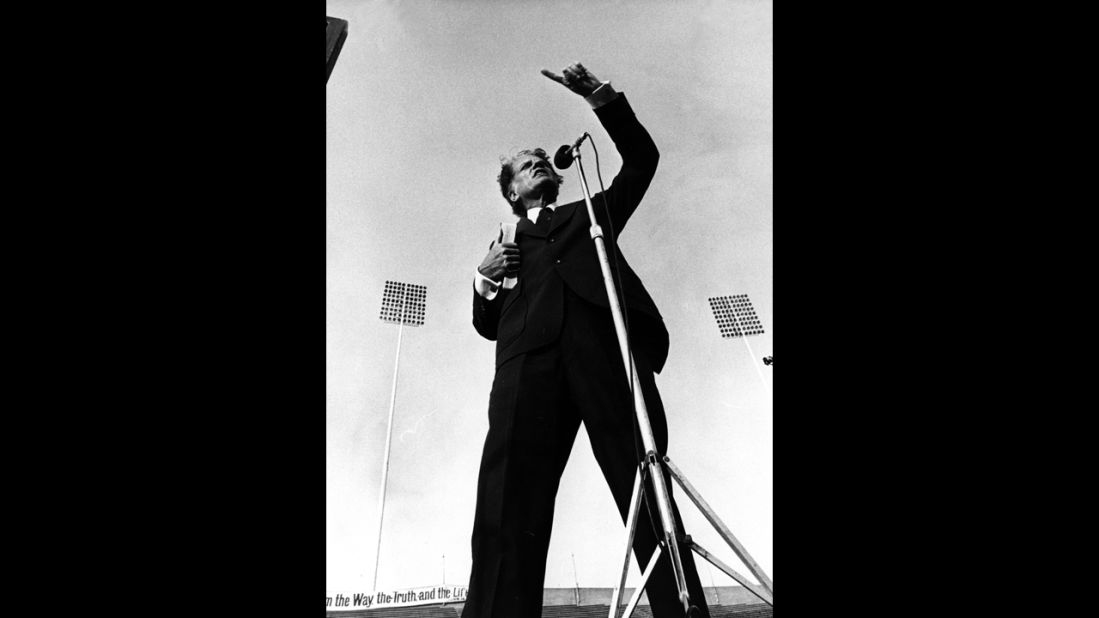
pixel 402 303
pixel 736 318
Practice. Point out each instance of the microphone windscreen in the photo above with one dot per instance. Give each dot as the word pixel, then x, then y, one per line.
pixel 563 159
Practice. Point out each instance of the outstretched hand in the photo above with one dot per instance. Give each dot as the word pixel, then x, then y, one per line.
pixel 576 78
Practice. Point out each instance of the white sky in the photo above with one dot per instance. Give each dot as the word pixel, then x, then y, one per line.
pixel 424 98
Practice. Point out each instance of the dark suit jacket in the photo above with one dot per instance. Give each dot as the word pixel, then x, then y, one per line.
pixel 531 314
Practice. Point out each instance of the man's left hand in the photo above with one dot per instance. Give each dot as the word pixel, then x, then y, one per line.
pixel 576 78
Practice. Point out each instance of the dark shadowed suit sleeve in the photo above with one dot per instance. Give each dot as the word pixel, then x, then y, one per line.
pixel 486 313
pixel 639 159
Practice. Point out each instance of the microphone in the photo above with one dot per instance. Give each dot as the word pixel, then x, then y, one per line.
pixel 564 157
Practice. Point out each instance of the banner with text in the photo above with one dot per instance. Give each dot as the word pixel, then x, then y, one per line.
pixel 395 598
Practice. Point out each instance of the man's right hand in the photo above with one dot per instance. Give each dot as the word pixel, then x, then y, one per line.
pixel 502 261
pixel 576 78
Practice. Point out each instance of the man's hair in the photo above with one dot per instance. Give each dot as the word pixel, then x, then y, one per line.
pixel 506 175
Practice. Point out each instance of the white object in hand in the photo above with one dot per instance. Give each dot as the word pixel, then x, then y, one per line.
pixel 507 234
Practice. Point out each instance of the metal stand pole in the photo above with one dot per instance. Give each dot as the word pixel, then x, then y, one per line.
pixel 385 463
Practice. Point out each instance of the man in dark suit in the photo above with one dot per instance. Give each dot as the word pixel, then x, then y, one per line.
pixel 558 363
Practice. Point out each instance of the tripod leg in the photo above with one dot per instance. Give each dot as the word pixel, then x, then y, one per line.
pixel 721 528
pixel 631 525
pixel 641 587
pixel 743 581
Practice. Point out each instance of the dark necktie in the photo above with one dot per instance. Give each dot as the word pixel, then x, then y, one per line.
pixel 544 218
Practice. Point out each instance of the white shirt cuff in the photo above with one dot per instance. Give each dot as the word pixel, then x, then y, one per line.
pixel 484 286
pixel 602 95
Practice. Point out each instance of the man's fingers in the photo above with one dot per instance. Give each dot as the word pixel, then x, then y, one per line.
pixel 555 77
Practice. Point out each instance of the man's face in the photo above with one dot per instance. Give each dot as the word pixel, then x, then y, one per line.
pixel 532 177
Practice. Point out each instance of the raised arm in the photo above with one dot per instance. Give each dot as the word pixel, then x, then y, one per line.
pixel 633 142
pixel 639 161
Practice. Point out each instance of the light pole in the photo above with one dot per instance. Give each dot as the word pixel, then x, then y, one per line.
pixel 402 303
pixel 736 318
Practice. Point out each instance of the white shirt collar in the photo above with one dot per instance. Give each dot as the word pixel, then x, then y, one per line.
pixel 532 213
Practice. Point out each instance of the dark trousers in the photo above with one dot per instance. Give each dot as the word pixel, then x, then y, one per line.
pixel 537 403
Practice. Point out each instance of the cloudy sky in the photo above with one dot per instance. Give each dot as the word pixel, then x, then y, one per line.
pixel 425 97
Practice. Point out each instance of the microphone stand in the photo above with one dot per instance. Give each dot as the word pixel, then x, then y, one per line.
pixel 650 461
pixel 652 464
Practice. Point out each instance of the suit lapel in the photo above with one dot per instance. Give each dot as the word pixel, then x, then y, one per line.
pixel 561 214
